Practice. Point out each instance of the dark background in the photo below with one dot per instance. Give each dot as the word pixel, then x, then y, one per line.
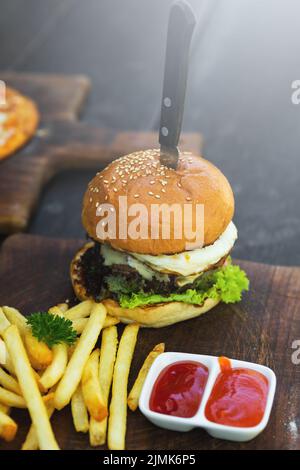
pixel 245 55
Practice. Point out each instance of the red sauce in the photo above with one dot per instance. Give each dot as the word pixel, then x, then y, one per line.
pixel 178 389
pixel 238 397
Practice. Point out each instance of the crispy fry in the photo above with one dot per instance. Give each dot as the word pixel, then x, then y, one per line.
pixel 58 309
pixel 11 399
pixel 40 355
pixel 4 408
pixel 4 323
pixel 79 323
pixel 30 391
pixel 55 371
pixel 16 318
pixel 84 347
pixel 8 427
pixel 3 352
pixel 9 382
pixel 81 310
pixel 109 345
pixel 118 405
pixel 79 411
pixel 91 387
pixel 134 395
pixel 31 441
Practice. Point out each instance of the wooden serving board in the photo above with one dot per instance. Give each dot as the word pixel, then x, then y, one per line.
pixel 34 276
pixel 61 142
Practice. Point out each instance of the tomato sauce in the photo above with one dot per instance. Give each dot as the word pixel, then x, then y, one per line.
pixel 238 397
pixel 179 388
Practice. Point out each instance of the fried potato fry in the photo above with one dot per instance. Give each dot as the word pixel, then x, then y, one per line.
pixel 79 323
pixel 8 427
pixel 90 386
pixel 16 318
pixel 31 441
pixel 11 399
pixel 81 310
pixel 40 355
pixel 84 347
pixel 79 411
pixel 9 382
pixel 3 352
pixel 56 369
pixel 30 391
pixel 134 395
pixel 4 323
pixel 4 408
pixel 58 309
pixel 118 405
pixel 109 345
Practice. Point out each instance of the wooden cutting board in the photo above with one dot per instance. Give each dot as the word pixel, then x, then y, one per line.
pixel 61 142
pixel 262 328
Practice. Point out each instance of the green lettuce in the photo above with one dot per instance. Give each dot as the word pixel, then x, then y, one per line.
pixel 226 284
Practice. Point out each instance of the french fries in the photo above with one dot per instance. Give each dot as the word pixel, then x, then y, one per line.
pixel 81 310
pixel 134 395
pixel 30 391
pixel 118 406
pixel 58 309
pixel 11 399
pixel 109 345
pixel 15 318
pixel 40 355
pixel 8 427
pixel 4 323
pixel 4 408
pixel 84 347
pixel 3 352
pixel 79 323
pixel 9 382
pixel 91 387
pixel 31 441
pixel 38 352
pixel 56 369
pixel 79 411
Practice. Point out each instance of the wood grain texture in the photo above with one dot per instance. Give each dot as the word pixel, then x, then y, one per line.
pixel 62 142
pixel 34 275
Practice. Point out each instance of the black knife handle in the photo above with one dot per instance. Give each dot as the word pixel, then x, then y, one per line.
pixel 180 29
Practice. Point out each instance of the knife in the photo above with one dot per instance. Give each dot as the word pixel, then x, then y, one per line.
pixel 181 25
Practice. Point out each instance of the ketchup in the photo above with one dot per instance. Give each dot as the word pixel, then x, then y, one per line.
pixel 178 389
pixel 238 397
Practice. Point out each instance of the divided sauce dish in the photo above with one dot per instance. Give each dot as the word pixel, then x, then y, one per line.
pixel 199 419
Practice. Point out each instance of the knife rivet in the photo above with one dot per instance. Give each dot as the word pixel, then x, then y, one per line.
pixel 167 102
pixel 164 131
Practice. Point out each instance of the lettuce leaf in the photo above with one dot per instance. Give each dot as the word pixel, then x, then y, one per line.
pixel 226 284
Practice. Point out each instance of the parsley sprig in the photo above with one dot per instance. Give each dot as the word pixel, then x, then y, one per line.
pixel 52 329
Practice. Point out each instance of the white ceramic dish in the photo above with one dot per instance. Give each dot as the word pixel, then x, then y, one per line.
pixel 220 431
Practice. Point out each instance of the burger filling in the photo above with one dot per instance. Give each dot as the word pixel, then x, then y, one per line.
pixel 135 280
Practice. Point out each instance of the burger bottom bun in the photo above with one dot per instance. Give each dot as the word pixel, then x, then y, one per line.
pixel 151 316
pixel 158 315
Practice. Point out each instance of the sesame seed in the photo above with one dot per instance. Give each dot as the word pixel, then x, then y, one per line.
pixel 136 195
pixel 97 204
pixel 157 196
pixel 152 182
pixel 115 190
pixel 105 181
pixel 188 198
pixel 91 200
pixel 150 193
pixel 163 190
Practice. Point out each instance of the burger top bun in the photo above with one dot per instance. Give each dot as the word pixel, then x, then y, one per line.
pixel 142 178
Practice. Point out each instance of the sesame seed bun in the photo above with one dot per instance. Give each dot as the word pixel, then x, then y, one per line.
pixel 142 178
pixel 154 316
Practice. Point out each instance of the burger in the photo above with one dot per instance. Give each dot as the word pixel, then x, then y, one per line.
pixel 159 273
